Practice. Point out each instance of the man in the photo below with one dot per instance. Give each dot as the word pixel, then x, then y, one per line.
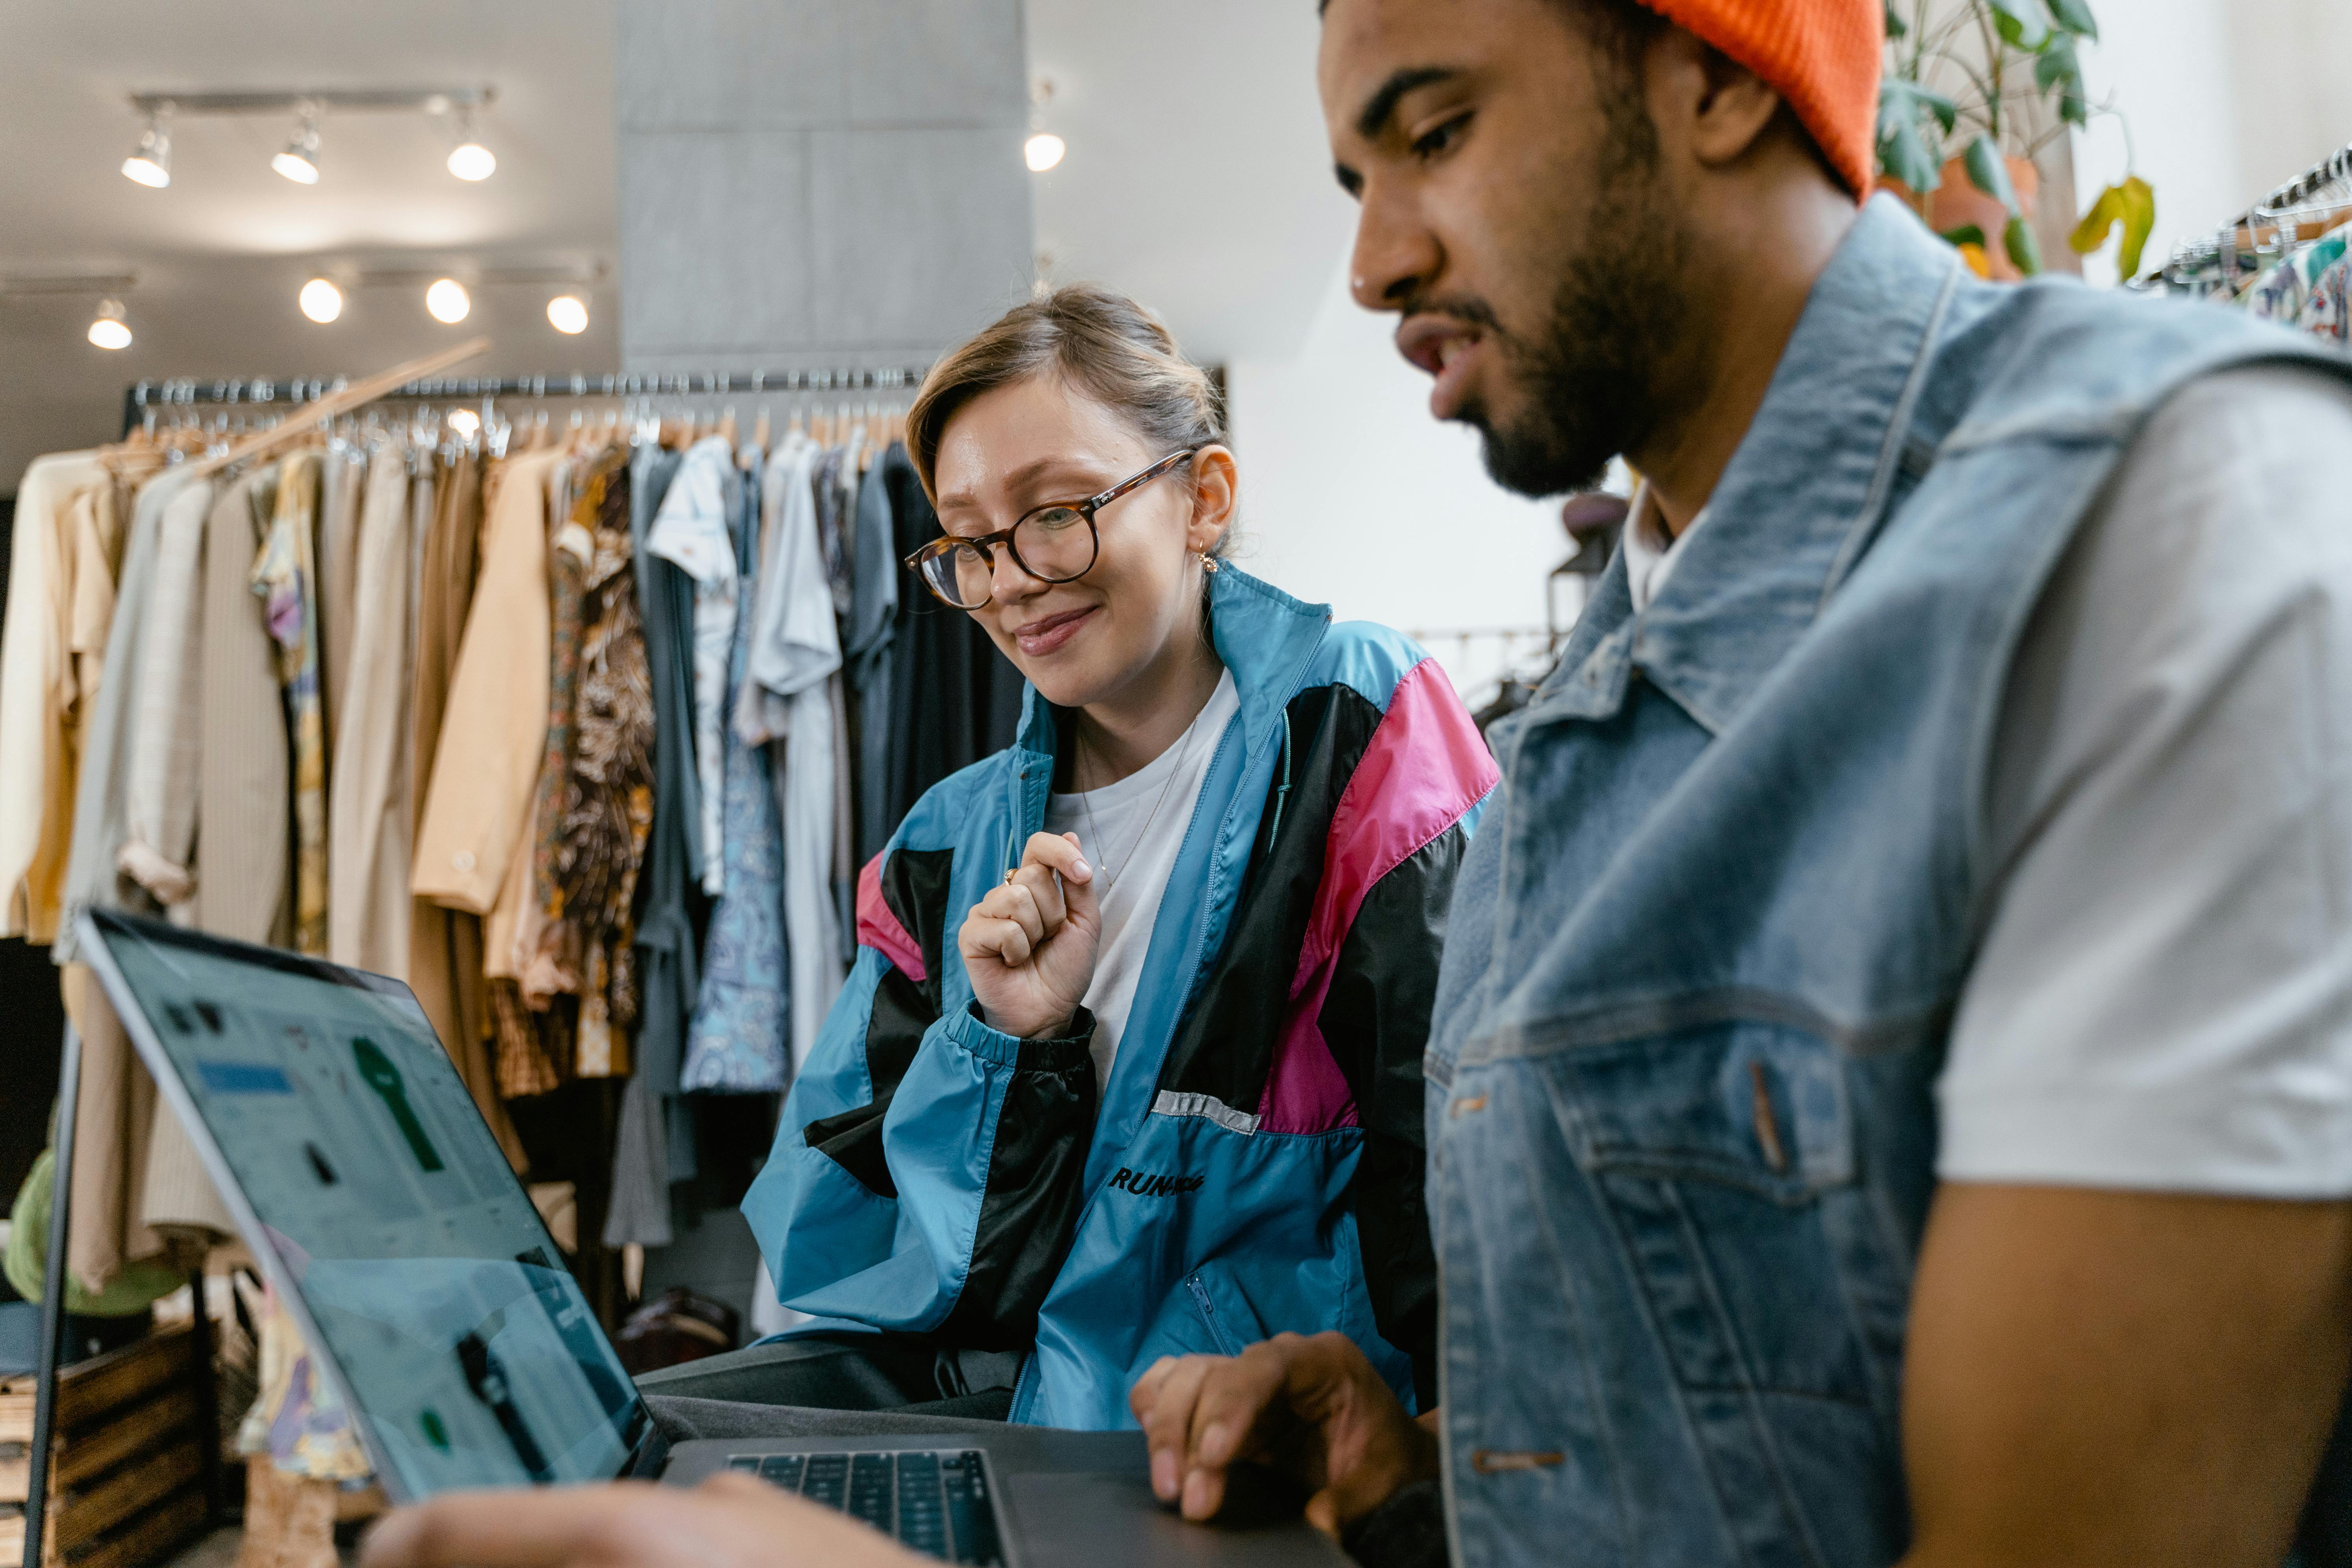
pixel 1896 1102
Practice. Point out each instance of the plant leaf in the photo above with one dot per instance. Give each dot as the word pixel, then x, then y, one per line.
pixel 2058 66
pixel 1987 174
pixel 2098 222
pixel 1896 26
pixel 1967 234
pixel 1905 151
pixel 2074 16
pixel 2018 239
pixel 2138 200
pixel 2024 23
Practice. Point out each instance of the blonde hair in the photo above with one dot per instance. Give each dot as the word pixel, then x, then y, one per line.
pixel 1104 344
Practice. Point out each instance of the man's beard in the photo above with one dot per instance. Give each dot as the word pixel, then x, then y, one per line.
pixel 1590 381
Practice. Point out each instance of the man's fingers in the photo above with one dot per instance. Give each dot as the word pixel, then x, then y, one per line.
pixel 548 1527
pixel 1167 1421
pixel 1225 1417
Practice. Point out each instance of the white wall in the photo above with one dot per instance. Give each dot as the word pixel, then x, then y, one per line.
pixel 1353 495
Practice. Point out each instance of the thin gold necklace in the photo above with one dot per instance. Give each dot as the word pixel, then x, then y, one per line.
pixel 1184 744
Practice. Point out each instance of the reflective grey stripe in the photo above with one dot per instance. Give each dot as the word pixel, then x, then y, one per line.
pixel 1171 1103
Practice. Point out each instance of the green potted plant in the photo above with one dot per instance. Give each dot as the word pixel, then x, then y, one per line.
pixel 1973 90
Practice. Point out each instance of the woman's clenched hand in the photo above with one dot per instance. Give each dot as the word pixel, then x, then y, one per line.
pixel 1029 947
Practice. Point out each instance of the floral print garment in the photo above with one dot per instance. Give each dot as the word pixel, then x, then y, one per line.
pixel 286 577
pixel 2328 312
pixel 736 1042
pixel 594 822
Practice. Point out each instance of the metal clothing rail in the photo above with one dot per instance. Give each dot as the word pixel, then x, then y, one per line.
pixel 186 391
pixel 2281 202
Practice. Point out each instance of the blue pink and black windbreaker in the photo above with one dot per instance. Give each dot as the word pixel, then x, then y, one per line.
pixel 1254 1164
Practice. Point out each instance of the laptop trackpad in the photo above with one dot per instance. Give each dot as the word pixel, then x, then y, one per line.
pixel 1086 1521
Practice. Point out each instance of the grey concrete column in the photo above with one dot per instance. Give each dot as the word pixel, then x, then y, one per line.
pixel 817 182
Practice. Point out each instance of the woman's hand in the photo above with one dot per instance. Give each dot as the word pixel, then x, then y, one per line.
pixel 1030 945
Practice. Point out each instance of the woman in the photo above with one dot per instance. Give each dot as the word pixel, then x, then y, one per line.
pixel 1129 1064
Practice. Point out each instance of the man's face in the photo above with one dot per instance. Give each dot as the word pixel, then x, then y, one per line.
pixel 1513 216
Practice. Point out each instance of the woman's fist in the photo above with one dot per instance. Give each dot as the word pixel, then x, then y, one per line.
pixel 1030 945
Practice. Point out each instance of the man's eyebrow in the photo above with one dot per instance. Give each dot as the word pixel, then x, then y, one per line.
pixel 1375 116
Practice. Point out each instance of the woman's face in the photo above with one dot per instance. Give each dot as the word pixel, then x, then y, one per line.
pixel 1020 447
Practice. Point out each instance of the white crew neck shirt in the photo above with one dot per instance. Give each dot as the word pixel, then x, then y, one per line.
pixel 1142 821
pixel 1650 550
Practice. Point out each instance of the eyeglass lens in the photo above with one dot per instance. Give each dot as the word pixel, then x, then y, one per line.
pixel 1054 545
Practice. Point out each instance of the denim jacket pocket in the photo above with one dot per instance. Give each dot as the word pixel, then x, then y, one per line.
pixel 1722 1155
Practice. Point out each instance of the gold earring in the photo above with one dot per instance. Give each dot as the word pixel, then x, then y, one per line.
pixel 1208 562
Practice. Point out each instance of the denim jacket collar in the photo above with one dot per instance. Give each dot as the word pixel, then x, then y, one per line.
pixel 1800 497
pixel 1263 635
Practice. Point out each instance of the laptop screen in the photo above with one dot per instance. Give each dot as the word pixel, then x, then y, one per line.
pixel 471 1352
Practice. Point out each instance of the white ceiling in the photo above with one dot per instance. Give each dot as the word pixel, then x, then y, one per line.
pixel 1197 179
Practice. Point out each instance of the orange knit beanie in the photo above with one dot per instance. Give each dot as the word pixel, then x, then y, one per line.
pixel 1821 55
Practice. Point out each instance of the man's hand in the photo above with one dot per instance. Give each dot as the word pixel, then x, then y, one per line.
pixel 727 1521
pixel 1029 946
pixel 1312 1408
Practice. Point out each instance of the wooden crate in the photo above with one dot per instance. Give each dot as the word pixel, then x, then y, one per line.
pixel 127 1485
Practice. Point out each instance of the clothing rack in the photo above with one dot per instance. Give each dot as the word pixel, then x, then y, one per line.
pixel 186 391
pixel 2275 211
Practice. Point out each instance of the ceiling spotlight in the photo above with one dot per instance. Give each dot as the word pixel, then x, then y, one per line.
pixel 109 331
pixel 449 301
pixel 299 161
pixel 149 163
pixel 1044 151
pixel 568 313
pixel 322 300
pixel 469 160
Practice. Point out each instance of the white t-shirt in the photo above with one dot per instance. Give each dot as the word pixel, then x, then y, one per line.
pixel 2163 997
pixel 1136 853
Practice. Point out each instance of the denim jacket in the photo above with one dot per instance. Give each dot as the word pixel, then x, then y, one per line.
pixel 1704 958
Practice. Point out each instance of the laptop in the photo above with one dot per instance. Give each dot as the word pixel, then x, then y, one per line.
pixel 383 1215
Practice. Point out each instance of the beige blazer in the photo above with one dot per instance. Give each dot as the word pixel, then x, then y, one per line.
pixel 486 766
pixel 36 733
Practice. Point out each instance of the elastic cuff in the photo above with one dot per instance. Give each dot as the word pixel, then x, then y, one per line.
pixel 1408 1531
pixel 974 1034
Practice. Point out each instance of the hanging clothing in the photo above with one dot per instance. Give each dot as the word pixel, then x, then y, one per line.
pixel 98 821
pixel 244 769
pixel 865 658
pixel 795 648
pixel 368 814
pixel 655 1136
pixel 738 1042
pixel 444 945
pixel 2328 313
pixel 158 849
pixel 598 813
pixel 343 480
pixel 494 728
pixel 38 730
pixel 287 577
pixel 691 530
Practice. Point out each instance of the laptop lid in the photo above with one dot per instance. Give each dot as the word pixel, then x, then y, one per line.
pixel 380 1207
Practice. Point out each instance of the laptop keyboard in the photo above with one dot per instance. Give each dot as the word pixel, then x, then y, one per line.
pixel 937 1502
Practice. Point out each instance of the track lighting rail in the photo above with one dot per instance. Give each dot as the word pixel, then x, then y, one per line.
pixel 422 100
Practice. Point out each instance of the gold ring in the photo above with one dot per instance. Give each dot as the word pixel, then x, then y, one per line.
pixel 1009 875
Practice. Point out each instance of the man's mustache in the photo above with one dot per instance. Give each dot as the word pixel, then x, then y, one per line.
pixel 1468 309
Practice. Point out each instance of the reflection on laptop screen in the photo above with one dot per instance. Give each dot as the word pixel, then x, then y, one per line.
pixel 470 1350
